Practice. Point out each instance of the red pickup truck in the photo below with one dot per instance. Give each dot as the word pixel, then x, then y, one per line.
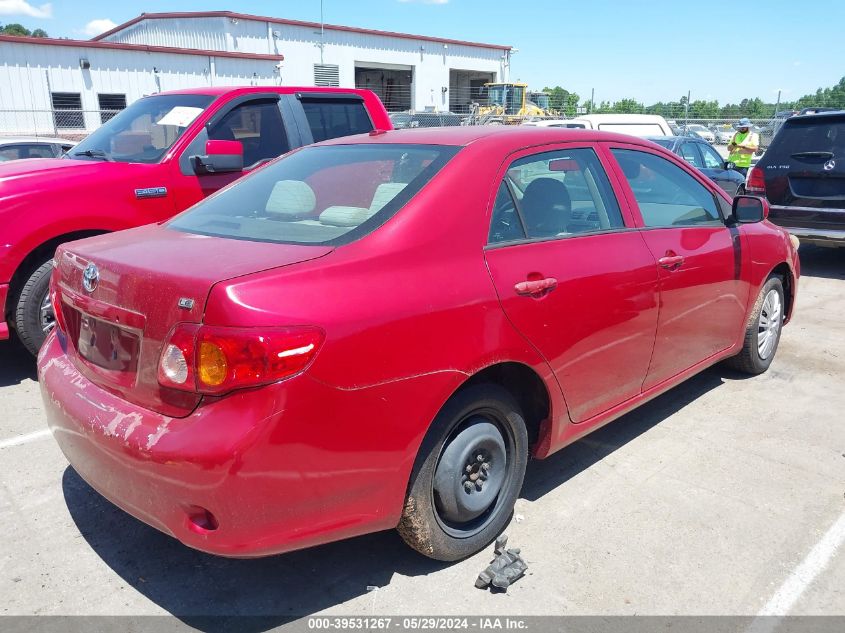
pixel 156 158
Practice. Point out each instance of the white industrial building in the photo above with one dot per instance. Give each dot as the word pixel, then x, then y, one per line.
pixel 66 87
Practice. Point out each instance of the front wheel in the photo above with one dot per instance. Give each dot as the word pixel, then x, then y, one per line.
pixel 34 317
pixel 468 475
pixel 763 332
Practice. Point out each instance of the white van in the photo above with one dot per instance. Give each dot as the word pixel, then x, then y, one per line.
pixel 633 124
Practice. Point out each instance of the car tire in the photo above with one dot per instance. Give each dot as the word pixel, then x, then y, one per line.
pixel 457 503
pixel 763 332
pixel 33 315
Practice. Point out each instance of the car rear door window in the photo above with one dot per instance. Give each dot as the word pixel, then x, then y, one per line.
pixel 689 152
pixel 712 160
pixel 666 194
pixel 554 194
pixel 335 117
pixel 258 126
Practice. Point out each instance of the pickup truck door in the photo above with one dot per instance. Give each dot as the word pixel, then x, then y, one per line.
pixel 262 125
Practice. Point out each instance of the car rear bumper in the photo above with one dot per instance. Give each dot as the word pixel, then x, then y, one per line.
pixel 271 482
pixel 4 327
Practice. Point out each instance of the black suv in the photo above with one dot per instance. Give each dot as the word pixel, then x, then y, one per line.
pixel 802 174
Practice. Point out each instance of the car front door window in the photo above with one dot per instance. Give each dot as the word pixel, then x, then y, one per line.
pixel 666 195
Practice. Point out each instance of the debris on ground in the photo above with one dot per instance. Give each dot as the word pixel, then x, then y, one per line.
pixel 506 568
pixel 518 518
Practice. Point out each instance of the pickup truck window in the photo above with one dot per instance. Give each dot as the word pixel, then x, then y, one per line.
pixel 143 132
pixel 258 126
pixel 332 118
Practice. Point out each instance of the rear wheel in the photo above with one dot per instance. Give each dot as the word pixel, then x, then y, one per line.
pixel 468 475
pixel 34 317
pixel 763 333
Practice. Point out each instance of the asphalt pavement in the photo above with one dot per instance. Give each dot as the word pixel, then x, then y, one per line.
pixel 723 496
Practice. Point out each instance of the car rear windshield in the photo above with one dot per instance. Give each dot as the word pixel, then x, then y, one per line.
pixel 327 195
pixel 823 134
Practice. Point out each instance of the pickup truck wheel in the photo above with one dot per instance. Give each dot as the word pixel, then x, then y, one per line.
pixel 763 332
pixel 34 316
pixel 468 474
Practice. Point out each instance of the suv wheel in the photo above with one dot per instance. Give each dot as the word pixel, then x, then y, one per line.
pixel 468 475
pixel 34 317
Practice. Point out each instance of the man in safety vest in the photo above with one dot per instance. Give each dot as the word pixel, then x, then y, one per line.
pixel 743 145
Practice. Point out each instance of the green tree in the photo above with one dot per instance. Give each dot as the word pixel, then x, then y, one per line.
pixel 562 100
pixel 39 33
pixel 15 29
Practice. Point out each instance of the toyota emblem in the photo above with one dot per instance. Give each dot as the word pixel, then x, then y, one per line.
pixel 829 165
pixel 90 277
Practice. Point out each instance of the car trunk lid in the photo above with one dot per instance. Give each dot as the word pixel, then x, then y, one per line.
pixel 122 294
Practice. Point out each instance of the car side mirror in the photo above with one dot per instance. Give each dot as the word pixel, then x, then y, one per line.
pixel 730 165
pixel 219 157
pixel 749 209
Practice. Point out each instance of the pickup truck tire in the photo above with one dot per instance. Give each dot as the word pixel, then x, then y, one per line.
pixel 763 332
pixel 32 321
pixel 467 476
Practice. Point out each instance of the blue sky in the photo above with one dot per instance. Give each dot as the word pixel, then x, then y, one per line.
pixel 646 49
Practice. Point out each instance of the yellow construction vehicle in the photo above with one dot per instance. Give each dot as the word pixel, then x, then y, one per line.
pixel 509 104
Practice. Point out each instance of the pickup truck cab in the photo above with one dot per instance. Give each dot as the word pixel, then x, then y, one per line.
pixel 155 159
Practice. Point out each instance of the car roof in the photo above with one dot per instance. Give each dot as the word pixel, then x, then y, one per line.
pixel 8 140
pixel 512 137
pixel 216 91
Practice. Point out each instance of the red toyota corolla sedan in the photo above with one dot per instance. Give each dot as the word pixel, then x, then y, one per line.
pixel 378 331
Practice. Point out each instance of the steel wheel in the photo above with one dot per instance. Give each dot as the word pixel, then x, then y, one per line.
pixel 768 325
pixel 469 476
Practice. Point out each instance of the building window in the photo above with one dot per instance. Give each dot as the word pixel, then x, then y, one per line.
pixel 326 75
pixel 110 104
pixel 67 110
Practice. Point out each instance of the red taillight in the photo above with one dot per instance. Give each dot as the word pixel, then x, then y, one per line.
pixel 56 299
pixel 215 360
pixel 755 183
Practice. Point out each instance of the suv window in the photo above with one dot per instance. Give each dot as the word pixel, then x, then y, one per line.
pixel 319 195
pixel 665 193
pixel 332 118
pixel 258 126
pixel 556 194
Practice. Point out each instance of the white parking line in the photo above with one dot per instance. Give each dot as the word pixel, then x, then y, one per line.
pixel 800 579
pixel 24 439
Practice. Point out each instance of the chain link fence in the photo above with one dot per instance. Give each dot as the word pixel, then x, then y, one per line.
pixel 73 125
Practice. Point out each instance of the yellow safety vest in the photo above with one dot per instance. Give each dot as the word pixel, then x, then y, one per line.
pixel 743 160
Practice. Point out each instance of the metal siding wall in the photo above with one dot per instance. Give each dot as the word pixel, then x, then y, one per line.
pixel 25 102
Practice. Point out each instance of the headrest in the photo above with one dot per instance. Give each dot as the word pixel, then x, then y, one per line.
pixel 385 193
pixel 291 198
pixel 345 216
